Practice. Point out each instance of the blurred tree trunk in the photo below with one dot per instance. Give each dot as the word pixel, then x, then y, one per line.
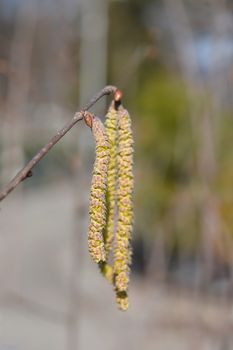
pixel 93 76
pixel 12 131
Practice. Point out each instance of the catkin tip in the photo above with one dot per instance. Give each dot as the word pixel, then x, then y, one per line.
pixel 107 271
pixel 122 300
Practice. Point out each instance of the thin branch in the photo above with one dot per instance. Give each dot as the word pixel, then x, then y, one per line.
pixel 107 90
pixel 27 170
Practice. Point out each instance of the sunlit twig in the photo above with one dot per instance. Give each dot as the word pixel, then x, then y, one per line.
pixel 27 170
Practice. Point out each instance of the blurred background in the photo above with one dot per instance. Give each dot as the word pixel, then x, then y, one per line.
pixel 173 60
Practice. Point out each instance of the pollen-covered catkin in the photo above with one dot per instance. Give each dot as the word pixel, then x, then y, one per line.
pixel 122 251
pixel 111 130
pixel 98 192
pixel 109 230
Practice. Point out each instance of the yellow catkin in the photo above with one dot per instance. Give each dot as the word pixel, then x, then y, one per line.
pixel 122 251
pixel 98 192
pixel 111 131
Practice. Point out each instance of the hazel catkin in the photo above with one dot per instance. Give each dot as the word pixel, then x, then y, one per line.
pixel 111 206
pixel 122 251
pixel 111 131
pixel 97 209
pixel 108 232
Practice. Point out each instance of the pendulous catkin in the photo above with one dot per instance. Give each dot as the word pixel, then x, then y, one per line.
pixel 111 131
pixel 111 207
pixel 97 209
pixel 123 251
pixel 108 232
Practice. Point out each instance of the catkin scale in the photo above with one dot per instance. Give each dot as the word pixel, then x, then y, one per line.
pixel 97 209
pixel 122 251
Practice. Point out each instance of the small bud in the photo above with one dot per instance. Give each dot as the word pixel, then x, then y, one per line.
pixel 118 95
pixel 88 118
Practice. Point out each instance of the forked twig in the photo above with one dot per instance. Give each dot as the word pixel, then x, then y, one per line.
pixel 27 170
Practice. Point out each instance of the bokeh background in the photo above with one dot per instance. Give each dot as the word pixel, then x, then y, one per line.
pixel 173 60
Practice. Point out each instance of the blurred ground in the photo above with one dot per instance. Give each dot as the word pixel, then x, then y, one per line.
pixel 40 309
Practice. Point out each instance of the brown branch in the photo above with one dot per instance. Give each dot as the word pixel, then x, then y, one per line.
pixel 27 170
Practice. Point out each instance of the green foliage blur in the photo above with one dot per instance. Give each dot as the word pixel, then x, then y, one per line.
pixel 168 117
